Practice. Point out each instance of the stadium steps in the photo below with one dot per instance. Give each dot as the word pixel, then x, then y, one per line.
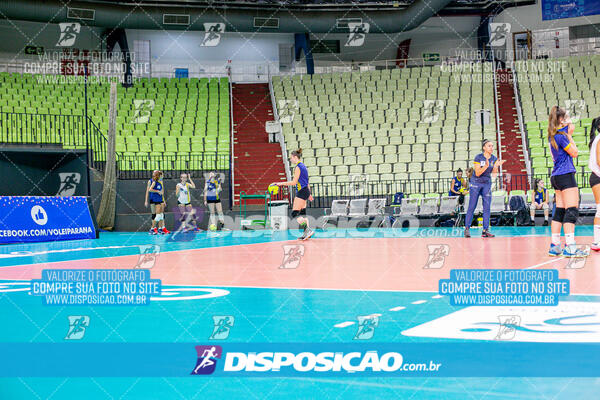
pixel 512 142
pixel 257 162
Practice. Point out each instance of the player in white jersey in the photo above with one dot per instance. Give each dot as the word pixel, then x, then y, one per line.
pixel 594 165
pixel 184 202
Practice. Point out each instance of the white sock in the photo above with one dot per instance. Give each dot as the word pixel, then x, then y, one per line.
pixel 596 233
pixel 546 217
pixel 570 238
pixel 556 239
pixel 533 218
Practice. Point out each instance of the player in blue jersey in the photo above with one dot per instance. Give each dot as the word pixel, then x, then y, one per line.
pixel 563 149
pixel 480 184
pixel 212 189
pixel 156 198
pixel 458 186
pixel 539 201
pixel 594 165
pixel 300 182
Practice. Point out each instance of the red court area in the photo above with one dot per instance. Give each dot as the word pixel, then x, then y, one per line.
pixel 394 264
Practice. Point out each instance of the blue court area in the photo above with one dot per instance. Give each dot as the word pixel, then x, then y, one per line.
pixel 189 314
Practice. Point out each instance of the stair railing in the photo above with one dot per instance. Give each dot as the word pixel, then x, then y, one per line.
pixel 279 136
pixel 521 124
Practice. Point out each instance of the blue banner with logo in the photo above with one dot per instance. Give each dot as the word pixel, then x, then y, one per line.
pixel 42 219
pixel 202 361
pixel 557 9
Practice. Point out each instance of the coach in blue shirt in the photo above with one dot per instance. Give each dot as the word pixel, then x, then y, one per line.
pixel 481 185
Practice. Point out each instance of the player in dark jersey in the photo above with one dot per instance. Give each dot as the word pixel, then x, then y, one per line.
pixel 485 164
pixel 300 181
pixel 458 187
pixel 156 197
pixel 563 149
pixel 539 201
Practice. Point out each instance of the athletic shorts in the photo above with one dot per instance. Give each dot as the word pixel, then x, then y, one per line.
pixel 156 202
pixel 214 201
pixel 183 204
pixel 564 181
pixel 303 193
pixel 594 179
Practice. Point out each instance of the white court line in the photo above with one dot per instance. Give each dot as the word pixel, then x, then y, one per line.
pixel 397 308
pixel 545 262
pixel 344 324
pixel 437 296
pixel 419 302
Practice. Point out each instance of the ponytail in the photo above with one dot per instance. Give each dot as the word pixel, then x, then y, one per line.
pixel 595 127
pixel 297 153
pixel 556 113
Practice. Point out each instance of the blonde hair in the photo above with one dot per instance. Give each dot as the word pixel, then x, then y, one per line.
pixel 556 113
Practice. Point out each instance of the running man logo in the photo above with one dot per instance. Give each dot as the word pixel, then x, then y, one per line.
pixel 432 109
pixel 287 110
pixel 292 254
pixel 148 256
pixel 437 255
pixel 212 35
pixel 68 33
pixel 223 324
pixel 578 262
pixel 498 33
pixel 366 327
pixel 68 183
pixel 207 359
pixel 77 326
pixel 358 184
pixel 143 109
pixel 358 33
pixel 575 109
pixel 508 326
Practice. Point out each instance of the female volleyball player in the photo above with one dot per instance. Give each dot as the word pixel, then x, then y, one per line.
pixel 595 178
pixel 539 201
pixel 458 186
pixel 156 197
pixel 212 188
pixel 184 201
pixel 480 184
pixel 300 181
pixel 563 150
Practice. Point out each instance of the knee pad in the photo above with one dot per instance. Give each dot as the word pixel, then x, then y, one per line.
pixel 559 214
pixel 159 217
pixel 303 211
pixel 571 215
pixel 295 213
pixel 597 211
pixel 153 217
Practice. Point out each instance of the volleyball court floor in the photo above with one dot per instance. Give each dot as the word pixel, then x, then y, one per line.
pixel 278 289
